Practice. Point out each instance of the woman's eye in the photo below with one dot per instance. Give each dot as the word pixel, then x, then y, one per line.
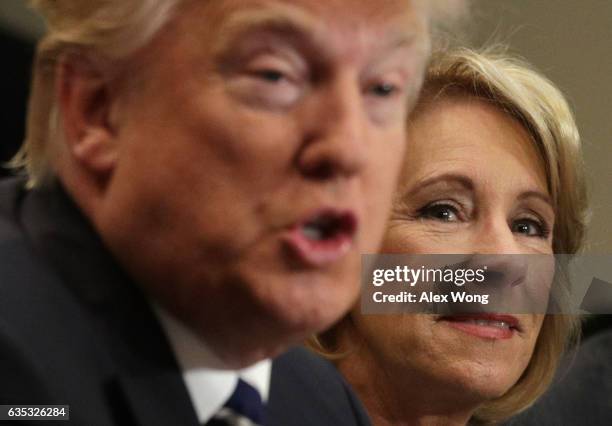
pixel 530 228
pixel 441 212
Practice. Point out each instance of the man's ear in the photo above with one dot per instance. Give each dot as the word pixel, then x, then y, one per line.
pixel 86 101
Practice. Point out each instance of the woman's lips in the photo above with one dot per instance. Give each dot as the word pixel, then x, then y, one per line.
pixel 323 237
pixel 487 326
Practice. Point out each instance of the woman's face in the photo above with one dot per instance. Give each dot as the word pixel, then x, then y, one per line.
pixel 472 183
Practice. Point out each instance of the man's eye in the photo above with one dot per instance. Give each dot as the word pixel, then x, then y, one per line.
pixel 441 212
pixel 384 90
pixel 272 76
pixel 530 228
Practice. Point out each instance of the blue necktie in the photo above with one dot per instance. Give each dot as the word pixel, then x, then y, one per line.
pixel 243 408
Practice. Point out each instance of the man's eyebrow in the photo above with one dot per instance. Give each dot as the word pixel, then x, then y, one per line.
pixel 297 26
pixel 406 39
pixel 281 20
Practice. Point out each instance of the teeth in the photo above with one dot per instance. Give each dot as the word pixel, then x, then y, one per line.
pixel 498 324
pixel 321 228
pixel 312 232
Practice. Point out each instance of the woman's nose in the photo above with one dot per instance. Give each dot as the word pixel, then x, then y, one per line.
pixel 496 247
pixel 495 236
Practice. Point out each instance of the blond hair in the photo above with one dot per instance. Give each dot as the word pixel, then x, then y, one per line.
pixel 517 89
pixel 106 31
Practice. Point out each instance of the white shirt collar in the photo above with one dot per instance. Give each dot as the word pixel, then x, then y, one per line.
pixel 209 383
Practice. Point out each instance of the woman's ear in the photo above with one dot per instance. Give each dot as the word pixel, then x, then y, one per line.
pixel 86 102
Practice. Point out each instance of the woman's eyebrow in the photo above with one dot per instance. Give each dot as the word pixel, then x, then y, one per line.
pixel 445 178
pixel 538 195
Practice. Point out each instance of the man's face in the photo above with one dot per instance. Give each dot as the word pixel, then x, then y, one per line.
pixel 258 152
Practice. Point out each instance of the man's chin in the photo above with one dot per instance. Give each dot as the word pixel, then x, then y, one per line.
pixel 234 358
pixel 274 314
pixel 267 340
pixel 306 306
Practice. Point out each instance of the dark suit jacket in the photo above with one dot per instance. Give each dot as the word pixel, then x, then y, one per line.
pixel 582 391
pixel 74 329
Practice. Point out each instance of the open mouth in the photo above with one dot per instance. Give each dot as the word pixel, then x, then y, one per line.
pixel 323 237
pixel 488 326
pixel 327 226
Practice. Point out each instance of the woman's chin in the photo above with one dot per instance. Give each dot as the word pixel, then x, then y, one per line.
pixel 480 381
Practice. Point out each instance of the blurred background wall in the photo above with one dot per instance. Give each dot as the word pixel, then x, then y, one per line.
pixel 570 41
pixel 18 30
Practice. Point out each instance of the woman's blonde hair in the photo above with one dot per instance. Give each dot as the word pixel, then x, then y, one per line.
pixel 517 89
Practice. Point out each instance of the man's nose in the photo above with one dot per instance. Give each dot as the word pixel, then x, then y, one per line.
pixel 337 134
